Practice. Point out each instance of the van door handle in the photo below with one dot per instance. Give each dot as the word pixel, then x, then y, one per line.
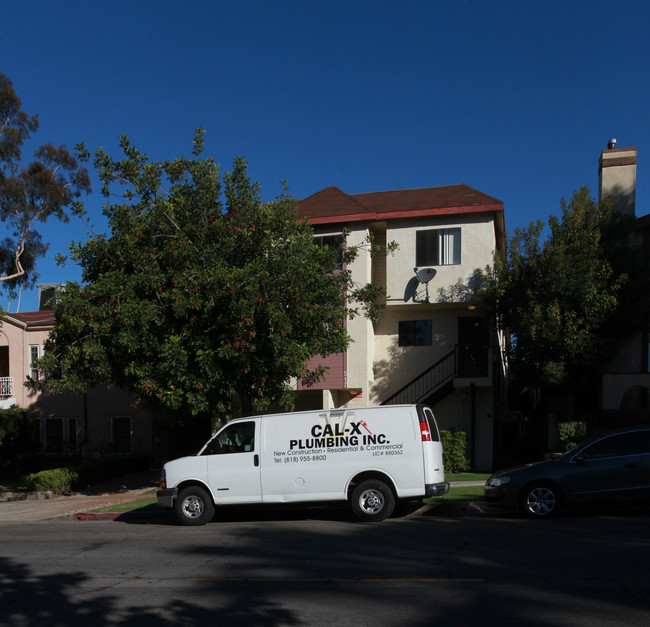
pixel 256 459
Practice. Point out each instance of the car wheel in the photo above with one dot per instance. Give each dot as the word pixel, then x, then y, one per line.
pixel 540 500
pixel 194 506
pixel 372 501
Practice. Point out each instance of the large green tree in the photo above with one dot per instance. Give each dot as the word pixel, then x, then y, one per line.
pixel 559 293
pixel 202 296
pixel 30 193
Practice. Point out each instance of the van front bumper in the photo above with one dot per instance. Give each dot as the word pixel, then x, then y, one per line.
pixel 166 497
pixel 437 489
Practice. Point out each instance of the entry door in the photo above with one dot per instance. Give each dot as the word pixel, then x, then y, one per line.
pixel 234 463
pixel 473 345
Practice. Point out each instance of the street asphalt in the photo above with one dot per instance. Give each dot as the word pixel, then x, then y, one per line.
pixel 40 506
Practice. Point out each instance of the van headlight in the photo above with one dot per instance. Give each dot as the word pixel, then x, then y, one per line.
pixel 495 482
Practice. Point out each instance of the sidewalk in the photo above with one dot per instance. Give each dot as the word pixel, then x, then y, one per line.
pixel 30 508
pixel 129 488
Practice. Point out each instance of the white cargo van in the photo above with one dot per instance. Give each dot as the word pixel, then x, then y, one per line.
pixel 370 456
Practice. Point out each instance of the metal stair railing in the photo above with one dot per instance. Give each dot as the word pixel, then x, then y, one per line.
pixel 426 383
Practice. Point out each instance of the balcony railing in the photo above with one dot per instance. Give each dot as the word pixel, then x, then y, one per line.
pixel 6 387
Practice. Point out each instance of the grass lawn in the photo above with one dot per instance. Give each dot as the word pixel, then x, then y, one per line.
pixel 467 476
pixel 461 493
pixel 464 493
pixel 147 504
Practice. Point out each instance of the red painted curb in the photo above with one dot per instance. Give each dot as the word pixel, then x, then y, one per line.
pixel 97 516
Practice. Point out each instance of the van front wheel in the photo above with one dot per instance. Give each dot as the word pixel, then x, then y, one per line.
pixel 194 506
pixel 372 501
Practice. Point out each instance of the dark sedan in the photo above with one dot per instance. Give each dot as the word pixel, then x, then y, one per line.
pixel 608 468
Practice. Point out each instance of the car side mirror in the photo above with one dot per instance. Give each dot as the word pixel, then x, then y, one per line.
pixel 580 458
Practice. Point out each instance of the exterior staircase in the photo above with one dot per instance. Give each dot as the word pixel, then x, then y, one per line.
pixel 430 386
pixel 466 362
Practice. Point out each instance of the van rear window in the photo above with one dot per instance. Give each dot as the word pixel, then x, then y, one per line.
pixel 433 426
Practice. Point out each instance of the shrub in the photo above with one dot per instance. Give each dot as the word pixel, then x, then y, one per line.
pixel 80 473
pixel 570 433
pixel 18 437
pixel 454 445
pixel 57 479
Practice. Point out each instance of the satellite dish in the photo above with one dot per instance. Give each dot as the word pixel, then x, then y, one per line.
pixel 424 275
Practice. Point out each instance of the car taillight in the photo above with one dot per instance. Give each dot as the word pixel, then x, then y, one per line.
pixel 424 432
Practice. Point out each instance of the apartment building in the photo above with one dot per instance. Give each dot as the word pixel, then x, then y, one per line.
pixel 104 420
pixel 429 345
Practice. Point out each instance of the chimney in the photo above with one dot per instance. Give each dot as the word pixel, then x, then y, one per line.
pixel 47 294
pixel 617 177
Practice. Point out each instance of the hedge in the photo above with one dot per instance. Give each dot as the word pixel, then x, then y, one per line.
pixel 454 445
pixel 57 480
pixel 570 433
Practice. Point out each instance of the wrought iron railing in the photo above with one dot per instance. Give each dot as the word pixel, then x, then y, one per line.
pixel 6 387
pixel 433 378
pixel 465 361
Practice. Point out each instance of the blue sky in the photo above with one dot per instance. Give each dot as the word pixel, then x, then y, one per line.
pixel 516 99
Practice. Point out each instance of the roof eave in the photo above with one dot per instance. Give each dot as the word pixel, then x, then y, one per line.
pixel 415 213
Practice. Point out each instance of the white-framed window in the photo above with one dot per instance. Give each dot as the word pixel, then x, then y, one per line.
pixel 332 241
pixel 437 247
pixel 34 354
pixel 121 434
pixel 59 435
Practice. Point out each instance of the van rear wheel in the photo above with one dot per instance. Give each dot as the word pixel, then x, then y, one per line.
pixel 372 501
pixel 194 506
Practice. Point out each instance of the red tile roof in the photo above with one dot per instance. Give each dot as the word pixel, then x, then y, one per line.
pixel 331 205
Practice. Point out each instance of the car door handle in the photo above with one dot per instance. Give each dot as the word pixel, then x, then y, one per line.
pixel 256 459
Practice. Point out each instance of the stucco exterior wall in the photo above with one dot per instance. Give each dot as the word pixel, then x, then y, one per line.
pixel 395 365
pixel 477 250
pixel 92 412
pixel 616 386
pixel 18 341
pixel 361 351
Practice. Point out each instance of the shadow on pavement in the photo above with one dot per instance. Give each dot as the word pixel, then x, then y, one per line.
pixel 338 512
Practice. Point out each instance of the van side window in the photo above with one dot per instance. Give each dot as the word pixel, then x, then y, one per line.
pixel 235 438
